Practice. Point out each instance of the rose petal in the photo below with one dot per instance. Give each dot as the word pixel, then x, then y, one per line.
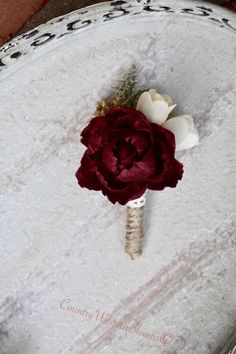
pixel 141 142
pixel 126 154
pixel 108 159
pixel 145 104
pixel 123 196
pixel 140 170
pixel 94 135
pixel 164 139
pixel 169 177
pixel 131 119
pixel 86 174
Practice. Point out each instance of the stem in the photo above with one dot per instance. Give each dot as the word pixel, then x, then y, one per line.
pixel 134 231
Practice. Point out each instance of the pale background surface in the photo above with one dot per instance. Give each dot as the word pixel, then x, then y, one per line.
pixel 60 241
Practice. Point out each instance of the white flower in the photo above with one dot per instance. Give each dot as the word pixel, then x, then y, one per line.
pixel 186 135
pixel 156 107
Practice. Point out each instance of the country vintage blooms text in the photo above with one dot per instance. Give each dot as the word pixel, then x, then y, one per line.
pixel 105 318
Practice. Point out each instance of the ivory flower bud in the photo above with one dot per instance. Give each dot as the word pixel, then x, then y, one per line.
pixel 186 135
pixel 156 107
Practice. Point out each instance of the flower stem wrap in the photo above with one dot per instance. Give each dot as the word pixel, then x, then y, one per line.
pixel 134 227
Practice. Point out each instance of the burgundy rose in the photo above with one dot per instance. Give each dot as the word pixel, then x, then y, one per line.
pixel 126 154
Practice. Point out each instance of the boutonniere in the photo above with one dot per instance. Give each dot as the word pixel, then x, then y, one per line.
pixel 130 148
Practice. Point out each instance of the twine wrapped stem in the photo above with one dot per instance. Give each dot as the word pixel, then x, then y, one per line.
pixel 134 227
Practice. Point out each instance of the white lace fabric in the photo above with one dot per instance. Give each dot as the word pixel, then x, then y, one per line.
pixel 137 203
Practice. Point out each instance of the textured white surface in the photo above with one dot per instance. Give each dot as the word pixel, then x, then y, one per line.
pixel 62 242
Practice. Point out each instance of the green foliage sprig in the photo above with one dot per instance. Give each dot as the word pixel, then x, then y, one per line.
pixel 126 91
pixel 126 94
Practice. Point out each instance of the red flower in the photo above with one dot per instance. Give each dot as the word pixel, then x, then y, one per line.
pixel 126 154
